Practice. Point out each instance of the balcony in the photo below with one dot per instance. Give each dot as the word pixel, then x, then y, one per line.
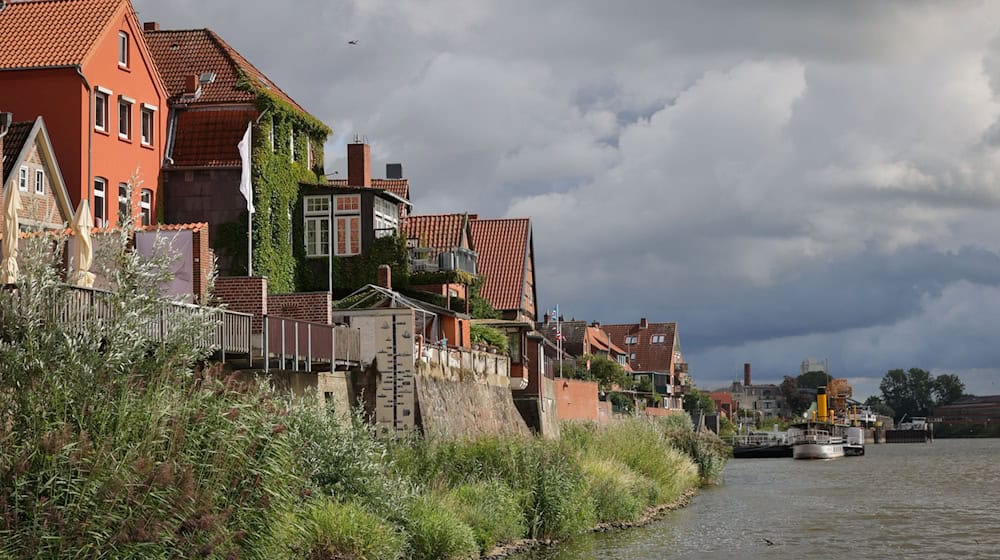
pixel 422 259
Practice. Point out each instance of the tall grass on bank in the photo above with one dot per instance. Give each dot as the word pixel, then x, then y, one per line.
pixel 111 445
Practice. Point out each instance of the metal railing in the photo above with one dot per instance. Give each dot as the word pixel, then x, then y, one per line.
pixel 303 344
pixel 91 310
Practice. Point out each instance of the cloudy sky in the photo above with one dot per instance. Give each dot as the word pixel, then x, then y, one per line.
pixel 783 179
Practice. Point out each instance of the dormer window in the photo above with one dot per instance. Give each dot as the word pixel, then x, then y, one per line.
pixel 658 339
pixel 631 339
pixel 123 49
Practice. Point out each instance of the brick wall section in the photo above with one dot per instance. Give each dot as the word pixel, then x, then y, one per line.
pixel 310 306
pixel 245 294
pixel 576 400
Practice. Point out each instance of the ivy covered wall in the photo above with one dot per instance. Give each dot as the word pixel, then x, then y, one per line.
pixel 275 176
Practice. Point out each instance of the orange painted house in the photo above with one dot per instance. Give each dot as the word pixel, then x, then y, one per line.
pixel 83 65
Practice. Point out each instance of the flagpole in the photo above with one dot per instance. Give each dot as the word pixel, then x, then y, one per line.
pixel 250 210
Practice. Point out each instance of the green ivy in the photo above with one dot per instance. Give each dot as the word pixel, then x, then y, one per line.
pixel 276 181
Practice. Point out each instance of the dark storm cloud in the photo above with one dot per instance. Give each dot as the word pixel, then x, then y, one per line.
pixel 783 178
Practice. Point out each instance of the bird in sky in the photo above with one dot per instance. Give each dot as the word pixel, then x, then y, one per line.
pixel 768 541
pixel 352 42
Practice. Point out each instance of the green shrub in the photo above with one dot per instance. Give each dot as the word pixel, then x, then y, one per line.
pixel 706 450
pixel 489 335
pixel 617 492
pixel 437 533
pixel 345 530
pixel 492 509
pixel 343 459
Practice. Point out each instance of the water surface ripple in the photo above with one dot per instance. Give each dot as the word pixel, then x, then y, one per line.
pixel 927 501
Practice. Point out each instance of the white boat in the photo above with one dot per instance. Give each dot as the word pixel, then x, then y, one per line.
pixel 816 440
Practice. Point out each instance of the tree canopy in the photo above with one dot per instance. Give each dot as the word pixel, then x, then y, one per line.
pixel 794 399
pixel 605 371
pixel 695 400
pixel 915 392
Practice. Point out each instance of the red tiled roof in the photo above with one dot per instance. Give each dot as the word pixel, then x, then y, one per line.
pixel 209 138
pixel 52 32
pixel 13 142
pixel 503 251
pixel 398 187
pixel 193 226
pixel 181 53
pixel 648 356
pixel 441 232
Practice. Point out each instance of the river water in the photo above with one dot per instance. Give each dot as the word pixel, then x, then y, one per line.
pixel 927 501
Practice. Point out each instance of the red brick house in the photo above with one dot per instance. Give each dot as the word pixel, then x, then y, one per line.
pixel 84 67
pixel 214 93
pixel 507 261
pixel 30 166
pixel 442 244
pixel 654 351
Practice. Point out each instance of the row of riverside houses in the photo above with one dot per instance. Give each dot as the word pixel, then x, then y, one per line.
pixel 139 121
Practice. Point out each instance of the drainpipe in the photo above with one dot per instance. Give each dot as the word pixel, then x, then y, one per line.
pixel 90 134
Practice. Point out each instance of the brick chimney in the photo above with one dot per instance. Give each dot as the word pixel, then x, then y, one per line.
pixel 150 26
pixel 359 164
pixel 642 323
pixel 191 84
pixel 547 318
pixel 384 276
pixel 746 375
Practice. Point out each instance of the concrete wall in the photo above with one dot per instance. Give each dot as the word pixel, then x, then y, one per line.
pixel 452 407
pixel 576 400
pixel 331 388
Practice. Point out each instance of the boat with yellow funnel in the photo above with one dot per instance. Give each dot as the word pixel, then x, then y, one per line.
pixel 820 438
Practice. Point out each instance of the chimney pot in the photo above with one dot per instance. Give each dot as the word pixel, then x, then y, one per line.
pixel 385 276
pixel 394 171
pixel 746 375
pixel 151 26
pixel 359 165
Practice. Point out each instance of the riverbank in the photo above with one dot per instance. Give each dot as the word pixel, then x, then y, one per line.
pixel 650 515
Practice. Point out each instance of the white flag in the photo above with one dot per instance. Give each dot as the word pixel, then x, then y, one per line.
pixel 245 187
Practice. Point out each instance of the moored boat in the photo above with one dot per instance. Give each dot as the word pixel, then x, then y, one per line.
pixel 820 438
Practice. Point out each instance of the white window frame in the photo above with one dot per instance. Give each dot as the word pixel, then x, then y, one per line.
pixel 124 202
pixel 100 202
pixel 39 181
pixel 348 217
pixel 147 113
pixel 22 179
pixel 291 145
pixel 657 339
pixel 309 153
pixel 123 48
pixel 125 102
pixel 316 212
pixel 631 339
pixel 101 117
pixel 146 206
pixel 385 218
